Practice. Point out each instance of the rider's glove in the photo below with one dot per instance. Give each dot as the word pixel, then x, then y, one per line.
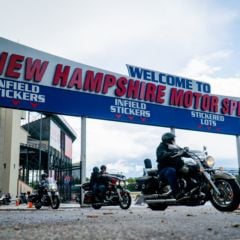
pixel 181 152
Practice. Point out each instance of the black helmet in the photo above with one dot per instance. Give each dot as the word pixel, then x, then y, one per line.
pixel 95 169
pixel 103 168
pixel 44 175
pixel 168 137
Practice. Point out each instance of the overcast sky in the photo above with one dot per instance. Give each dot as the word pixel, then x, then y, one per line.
pixel 195 39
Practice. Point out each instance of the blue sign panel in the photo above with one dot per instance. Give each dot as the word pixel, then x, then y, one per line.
pixel 36 81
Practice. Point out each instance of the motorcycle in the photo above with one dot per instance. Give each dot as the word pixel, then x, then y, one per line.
pixel 116 193
pixel 199 181
pixel 5 199
pixel 46 195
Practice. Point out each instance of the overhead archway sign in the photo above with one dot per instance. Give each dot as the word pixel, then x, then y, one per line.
pixel 37 81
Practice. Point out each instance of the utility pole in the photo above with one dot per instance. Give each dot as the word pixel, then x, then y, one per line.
pixel 83 155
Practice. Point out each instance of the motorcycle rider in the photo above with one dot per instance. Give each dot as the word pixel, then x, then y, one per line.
pixel 169 163
pixel 103 169
pixel 102 182
pixel 94 181
pixel 44 179
pixel 43 183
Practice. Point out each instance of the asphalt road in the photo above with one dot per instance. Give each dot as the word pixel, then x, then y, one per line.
pixel 139 222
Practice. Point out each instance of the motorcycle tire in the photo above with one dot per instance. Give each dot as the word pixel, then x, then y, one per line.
pixel 55 202
pixel 38 205
pixel 96 206
pixel 157 207
pixel 229 198
pixel 126 202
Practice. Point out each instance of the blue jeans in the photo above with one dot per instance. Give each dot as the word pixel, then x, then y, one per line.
pixel 170 174
pixel 94 188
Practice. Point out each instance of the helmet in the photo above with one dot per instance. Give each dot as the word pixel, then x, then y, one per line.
pixel 168 137
pixel 95 169
pixel 103 168
pixel 44 175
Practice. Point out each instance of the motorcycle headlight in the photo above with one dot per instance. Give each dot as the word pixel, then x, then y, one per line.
pixel 52 187
pixel 122 183
pixel 209 161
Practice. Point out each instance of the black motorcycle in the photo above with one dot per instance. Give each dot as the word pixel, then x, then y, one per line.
pixel 198 180
pixel 5 198
pixel 116 194
pixel 46 195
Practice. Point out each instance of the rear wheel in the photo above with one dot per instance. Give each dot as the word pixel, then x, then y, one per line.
pixel 38 204
pixel 96 206
pixel 229 197
pixel 126 201
pixel 157 207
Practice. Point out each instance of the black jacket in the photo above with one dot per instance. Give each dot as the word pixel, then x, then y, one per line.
pixel 165 158
pixel 103 179
pixel 94 179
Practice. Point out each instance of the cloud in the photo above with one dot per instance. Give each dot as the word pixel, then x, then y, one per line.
pixel 161 35
pixel 199 66
pixel 205 68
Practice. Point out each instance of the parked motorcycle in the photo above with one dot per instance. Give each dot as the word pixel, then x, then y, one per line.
pixel 199 182
pixel 5 198
pixel 116 193
pixel 46 195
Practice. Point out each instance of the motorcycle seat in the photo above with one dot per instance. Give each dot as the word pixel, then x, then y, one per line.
pixel 152 172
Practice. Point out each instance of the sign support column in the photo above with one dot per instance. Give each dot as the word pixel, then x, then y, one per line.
pixel 172 130
pixel 238 152
pixel 83 154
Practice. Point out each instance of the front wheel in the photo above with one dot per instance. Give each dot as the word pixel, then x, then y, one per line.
pixel 126 200
pixel 55 202
pixel 228 200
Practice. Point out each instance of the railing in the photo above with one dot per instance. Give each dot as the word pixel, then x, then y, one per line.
pixel 36 145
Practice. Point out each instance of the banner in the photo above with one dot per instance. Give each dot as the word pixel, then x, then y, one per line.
pixel 37 81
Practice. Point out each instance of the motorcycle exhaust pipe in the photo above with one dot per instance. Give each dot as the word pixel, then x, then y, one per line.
pixel 169 201
pixel 155 196
pixel 151 196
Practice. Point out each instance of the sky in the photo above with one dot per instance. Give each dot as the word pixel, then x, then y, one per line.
pixel 197 39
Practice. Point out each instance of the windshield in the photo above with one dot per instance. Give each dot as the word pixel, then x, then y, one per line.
pixel 52 184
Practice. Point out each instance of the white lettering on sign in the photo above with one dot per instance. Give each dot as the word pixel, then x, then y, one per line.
pixel 130 108
pixel 207 119
pixel 21 91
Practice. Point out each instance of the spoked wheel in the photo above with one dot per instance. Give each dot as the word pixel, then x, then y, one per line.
pixel 55 202
pixel 229 197
pixel 126 201
pixel 157 207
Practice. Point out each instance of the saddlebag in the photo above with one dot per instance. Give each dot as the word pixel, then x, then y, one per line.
pixel 88 197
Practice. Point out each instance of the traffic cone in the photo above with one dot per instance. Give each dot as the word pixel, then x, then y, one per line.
pixel 30 204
